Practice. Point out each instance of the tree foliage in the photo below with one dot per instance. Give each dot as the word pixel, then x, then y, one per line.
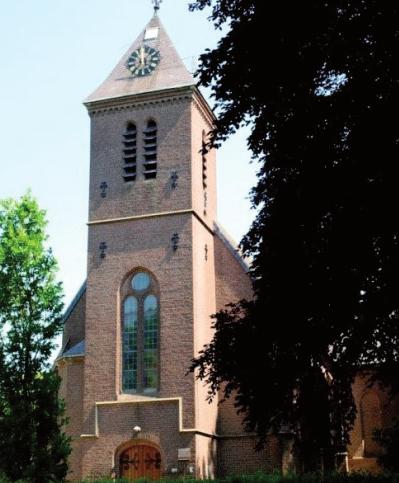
pixel 32 444
pixel 318 84
pixel 388 438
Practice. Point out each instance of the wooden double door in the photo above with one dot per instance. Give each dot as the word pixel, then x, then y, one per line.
pixel 140 461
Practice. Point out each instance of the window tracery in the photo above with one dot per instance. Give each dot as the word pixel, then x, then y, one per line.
pixel 140 334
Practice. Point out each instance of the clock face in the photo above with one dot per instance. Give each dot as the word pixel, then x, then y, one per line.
pixel 143 61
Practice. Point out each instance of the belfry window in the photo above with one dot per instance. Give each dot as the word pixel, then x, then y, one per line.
pixel 204 152
pixel 140 335
pixel 150 150
pixel 130 152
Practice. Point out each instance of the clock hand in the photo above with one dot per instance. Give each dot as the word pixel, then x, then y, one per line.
pixel 142 55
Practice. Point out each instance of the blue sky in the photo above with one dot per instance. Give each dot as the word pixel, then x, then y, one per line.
pixel 54 53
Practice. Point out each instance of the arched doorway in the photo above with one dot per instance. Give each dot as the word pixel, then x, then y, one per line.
pixel 140 460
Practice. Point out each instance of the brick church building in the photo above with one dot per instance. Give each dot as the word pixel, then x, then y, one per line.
pixel 158 266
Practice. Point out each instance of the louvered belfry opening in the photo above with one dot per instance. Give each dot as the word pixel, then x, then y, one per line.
pixel 204 161
pixel 150 150
pixel 130 152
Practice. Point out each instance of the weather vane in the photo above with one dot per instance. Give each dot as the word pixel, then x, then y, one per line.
pixel 156 5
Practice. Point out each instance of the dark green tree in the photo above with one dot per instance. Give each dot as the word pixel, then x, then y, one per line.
pixel 33 446
pixel 389 441
pixel 318 83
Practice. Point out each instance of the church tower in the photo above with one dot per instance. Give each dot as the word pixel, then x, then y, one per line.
pixel 150 258
pixel 158 267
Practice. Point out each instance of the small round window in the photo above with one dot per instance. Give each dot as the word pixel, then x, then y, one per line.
pixel 141 281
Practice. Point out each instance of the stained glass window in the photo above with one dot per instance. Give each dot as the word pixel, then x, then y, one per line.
pixel 140 335
pixel 150 342
pixel 141 281
pixel 129 364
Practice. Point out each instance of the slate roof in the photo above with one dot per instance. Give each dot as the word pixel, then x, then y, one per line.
pixel 170 73
pixel 75 301
pixel 75 351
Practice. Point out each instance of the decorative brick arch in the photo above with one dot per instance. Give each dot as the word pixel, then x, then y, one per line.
pixel 132 272
pixel 139 458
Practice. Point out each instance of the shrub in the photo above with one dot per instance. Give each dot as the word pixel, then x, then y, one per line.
pixel 357 477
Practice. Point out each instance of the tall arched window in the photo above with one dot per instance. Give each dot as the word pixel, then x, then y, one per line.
pixel 130 152
pixel 150 150
pixel 140 334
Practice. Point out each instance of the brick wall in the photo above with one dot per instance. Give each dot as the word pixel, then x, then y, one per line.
pixel 173 118
pixel 232 285
pixel 71 390
pixel 236 450
pixel 232 282
pixel 375 410
pixel 237 456
pixel 147 244
pixel 159 422
pixel 204 307
pixel 204 199
pixel 74 326
pixel 186 300
pixel 195 280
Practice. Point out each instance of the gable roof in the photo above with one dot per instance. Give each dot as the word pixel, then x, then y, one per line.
pixel 170 73
pixel 74 301
pixel 77 350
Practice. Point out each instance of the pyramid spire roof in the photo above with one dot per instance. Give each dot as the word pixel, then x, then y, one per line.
pixel 170 72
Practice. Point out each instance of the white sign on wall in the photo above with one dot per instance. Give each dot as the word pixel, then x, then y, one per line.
pixel 184 454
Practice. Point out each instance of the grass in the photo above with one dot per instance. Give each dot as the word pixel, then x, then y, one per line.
pixel 267 478
pixel 358 477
